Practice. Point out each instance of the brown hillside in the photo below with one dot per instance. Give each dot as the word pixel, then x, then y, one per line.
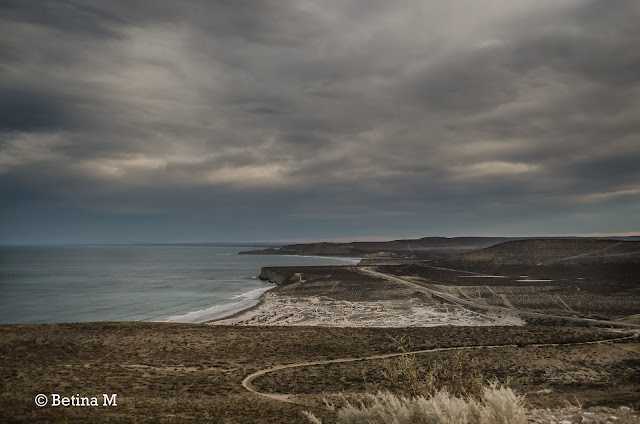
pixel 427 248
pixel 547 251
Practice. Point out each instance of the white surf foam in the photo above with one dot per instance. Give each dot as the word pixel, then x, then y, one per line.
pixel 249 299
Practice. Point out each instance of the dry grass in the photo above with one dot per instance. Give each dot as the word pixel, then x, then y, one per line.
pixel 497 405
pixel 452 394
pixel 406 376
pixel 192 373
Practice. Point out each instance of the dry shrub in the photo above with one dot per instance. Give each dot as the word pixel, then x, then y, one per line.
pixel 498 405
pixel 403 375
pixel 312 418
pixel 450 392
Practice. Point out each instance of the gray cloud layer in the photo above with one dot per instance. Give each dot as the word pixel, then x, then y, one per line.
pixel 200 120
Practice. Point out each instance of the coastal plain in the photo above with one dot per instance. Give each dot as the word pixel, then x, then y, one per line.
pixel 556 319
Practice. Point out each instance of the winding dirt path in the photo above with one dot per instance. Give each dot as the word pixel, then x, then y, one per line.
pixel 247 383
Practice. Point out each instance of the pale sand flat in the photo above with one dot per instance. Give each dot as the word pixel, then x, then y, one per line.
pixel 278 310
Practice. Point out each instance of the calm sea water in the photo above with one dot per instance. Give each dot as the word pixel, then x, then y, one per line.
pixel 131 283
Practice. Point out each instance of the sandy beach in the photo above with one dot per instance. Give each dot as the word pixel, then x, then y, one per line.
pixel 247 302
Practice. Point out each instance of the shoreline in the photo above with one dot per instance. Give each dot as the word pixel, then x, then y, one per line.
pixel 227 311
pixel 260 301
pixel 222 311
pixel 236 314
pixel 140 284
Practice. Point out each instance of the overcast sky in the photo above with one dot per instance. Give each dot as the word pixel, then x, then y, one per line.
pixel 161 121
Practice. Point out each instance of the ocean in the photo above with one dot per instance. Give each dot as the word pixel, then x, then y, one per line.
pixel 53 284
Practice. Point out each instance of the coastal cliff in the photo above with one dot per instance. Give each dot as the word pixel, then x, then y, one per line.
pixel 278 276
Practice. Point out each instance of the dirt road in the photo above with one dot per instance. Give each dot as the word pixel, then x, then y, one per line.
pixel 474 306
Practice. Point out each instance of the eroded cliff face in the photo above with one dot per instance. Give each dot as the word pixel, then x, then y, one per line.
pixel 278 276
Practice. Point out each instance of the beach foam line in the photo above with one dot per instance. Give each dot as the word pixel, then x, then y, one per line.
pixel 253 294
pixel 250 299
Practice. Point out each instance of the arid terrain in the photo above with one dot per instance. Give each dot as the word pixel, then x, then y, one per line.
pixel 555 319
pixel 423 248
pixel 194 373
pixel 347 296
pixel 598 279
pixel 550 281
pixel 426 248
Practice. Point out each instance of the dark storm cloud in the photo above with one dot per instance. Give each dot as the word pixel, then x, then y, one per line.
pixel 316 118
pixel 72 17
pixel 31 111
pixel 264 21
